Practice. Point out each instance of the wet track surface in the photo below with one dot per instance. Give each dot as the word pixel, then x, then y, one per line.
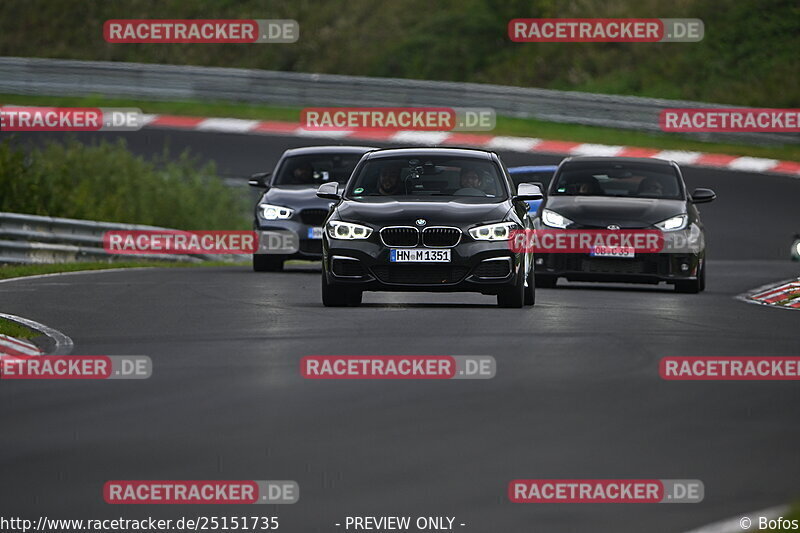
pixel 577 392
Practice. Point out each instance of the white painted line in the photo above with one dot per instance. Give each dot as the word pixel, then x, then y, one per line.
pixel 147 119
pixel 679 156
pixel 514 144
pixel 752 164
pixel 604 150
pixel 735 524
pixel 15 345
pixel 420 137
pixel 227 125
pixel 302 132
pixel 63 343
pixel 74 273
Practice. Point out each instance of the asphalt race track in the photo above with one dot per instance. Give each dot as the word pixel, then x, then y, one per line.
pixel 577 392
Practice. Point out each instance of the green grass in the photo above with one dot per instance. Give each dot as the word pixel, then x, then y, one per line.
pixel 13 329
pixel 505 125
pixel 105 181
pixel 18 271
pixel 748 55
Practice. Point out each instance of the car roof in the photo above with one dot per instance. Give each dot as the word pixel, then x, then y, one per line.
pixel 310 150
pixel 529 168
pixel 612 160
pixel 430 151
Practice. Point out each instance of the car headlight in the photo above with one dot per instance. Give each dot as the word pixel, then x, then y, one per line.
pixel 347 230
pixel 275 212
pixel 554 220
pixel 673 224
pixel 493 232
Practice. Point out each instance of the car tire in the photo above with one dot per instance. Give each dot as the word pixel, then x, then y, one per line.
pixel 354 298
pixel 336 296
pixel 267 263
pixel 703 276
pixel 530 288
pixel 513 296
pixel 546 282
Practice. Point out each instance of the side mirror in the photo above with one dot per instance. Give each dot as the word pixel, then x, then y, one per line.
pixel 539 184
pixel 703 196
pixel 329 191
pixel 259 180
pixel 528 191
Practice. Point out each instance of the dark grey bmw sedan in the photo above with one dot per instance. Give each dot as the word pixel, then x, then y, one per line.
pixel 289 206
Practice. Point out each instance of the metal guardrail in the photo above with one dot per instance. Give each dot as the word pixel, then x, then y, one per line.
pixel 57 77
pixel 39 239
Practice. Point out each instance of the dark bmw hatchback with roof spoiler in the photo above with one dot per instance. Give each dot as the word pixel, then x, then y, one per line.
pixel 427 219
pixel 290 204
pixel 629 194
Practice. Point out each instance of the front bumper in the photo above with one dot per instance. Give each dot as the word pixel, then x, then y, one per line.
pixel 644 268
pixel 475 266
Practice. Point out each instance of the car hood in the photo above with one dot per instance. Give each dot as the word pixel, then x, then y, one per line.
pixel 436 211
pixel 625 212
pixel 296 197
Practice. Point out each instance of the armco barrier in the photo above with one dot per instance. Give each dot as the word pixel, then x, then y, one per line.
pixel 39 239
pixel 37 76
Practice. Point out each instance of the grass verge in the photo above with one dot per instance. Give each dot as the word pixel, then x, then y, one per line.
pixel 505 125
pixel 13 329
pixel 792 515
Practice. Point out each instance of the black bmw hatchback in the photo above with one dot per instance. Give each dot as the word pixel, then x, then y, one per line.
pixel 591 194
pixel 426 219
pixel 289 210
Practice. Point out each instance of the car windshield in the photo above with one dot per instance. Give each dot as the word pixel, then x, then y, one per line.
pixel 634 180
pixel 314 170
pixel 429 176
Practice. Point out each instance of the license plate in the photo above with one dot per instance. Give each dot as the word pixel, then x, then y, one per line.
pixel 414 255
pixel 314 233
pixel 623 252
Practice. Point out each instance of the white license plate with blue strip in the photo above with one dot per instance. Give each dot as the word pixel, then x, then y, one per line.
pixel 419 255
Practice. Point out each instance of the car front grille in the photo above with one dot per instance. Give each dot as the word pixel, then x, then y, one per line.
pixel 603 265
pixel 420 274
pixel 313 217
pixel 493 269
pixel 400 236
pixel 436 237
